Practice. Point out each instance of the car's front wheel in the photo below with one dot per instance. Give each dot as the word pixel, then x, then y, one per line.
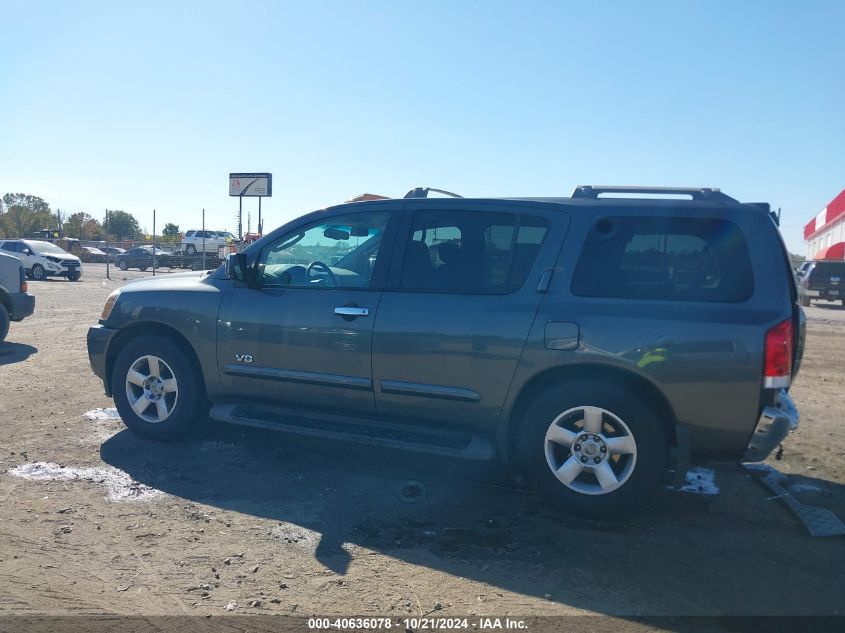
pixel 38 272
pixel 157 389
pixel 123 265
pixel 74 276
pixel 190 249
pixel 597 449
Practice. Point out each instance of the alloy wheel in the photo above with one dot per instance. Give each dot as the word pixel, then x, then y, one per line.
pixel 590 450
pixel 151 389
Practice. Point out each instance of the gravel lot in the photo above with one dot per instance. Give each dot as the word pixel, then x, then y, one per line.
pixel 96 520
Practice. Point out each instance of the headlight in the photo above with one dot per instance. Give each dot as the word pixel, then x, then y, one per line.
pixel 109 305
pixel 52 258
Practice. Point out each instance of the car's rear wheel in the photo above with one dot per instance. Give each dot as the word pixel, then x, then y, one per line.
pixel 157 389
pixel 38 272
pixel 142 268
pixel 190 249
pixel 123 265
pixel 4 322
pixel 596 449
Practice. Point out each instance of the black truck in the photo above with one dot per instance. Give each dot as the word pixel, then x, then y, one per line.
pixel 822 280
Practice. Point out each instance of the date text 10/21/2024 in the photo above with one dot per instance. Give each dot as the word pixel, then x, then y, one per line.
pixel 418 624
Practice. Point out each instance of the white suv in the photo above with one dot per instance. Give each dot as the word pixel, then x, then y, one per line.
pixel 193 241
pixel 42 259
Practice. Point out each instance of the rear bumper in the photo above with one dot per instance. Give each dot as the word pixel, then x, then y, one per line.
pixel 829 294
pixel 99 338
pixel 23 305
pixel 774 425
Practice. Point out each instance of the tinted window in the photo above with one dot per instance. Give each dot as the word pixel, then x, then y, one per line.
pixel 336 253
pixel 675 259
pixel 471 252
pixel 823 270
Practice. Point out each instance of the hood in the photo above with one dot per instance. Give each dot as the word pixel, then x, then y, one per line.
pixel 63 256
pixel 167 281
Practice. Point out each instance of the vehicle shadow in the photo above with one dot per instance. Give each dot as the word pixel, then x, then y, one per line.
pixel 11 353
pixel 688 554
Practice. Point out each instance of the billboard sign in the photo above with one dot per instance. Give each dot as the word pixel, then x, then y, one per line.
pixel 251 185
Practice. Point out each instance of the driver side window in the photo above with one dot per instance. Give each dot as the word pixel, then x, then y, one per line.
pixel 339 252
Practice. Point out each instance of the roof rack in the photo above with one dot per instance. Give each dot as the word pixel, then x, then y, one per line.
pixel 696 193
pixel 422 192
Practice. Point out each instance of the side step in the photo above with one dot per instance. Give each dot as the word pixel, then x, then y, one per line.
pixel 410 437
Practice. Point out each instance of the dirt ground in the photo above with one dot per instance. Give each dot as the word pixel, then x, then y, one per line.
pixel 300 526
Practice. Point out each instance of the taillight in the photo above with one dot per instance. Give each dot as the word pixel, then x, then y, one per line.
pixel 24 285
pixel 777 368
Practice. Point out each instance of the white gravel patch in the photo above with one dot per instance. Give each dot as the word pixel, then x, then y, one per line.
pixel 700 481
pixel 296 535
pixel 118 484
pixel 102 415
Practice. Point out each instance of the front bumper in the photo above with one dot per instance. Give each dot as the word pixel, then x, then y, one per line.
pixel 99 338
pixel 23 305
pixel 774 425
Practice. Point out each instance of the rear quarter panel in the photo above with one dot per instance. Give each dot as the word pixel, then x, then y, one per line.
pixel 705 358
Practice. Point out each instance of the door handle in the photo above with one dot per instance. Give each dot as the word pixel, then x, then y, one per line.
pixel 351 311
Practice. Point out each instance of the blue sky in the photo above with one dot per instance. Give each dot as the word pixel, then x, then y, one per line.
pixel 150 105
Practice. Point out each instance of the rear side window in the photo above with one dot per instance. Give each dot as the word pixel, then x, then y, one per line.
pixel 471 252
pixel 189 234
pixel 669 259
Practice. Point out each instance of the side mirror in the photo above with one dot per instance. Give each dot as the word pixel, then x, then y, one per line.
pixel 27 251
pixel 236 267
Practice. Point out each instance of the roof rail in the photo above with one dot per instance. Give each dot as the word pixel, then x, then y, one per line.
pixel 422 192
pixel 696 193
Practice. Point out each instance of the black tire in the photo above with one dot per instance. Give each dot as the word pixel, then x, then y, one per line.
pixel 806 301
pixel 28 272
pixel 142 268
pixel 4 322
pixel 74 276
pixel 187 406
pixel 652 449
pixel 123 265
pixel 38 273
pixel 190 249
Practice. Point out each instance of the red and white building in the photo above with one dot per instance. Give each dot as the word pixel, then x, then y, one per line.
pixel 825 233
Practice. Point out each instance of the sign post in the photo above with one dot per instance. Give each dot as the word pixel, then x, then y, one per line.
pixel 250 185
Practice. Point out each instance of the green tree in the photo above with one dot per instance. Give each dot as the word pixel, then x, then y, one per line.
pixel 83 227
pixel 171 232
pixel 23 214
pixel 122 225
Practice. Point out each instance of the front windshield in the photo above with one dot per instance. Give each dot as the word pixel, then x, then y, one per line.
pixel 46 247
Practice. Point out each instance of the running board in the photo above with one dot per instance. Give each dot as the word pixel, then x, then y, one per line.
pixel 410 437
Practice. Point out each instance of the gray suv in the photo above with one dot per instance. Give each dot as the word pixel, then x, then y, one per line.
pixel 15 302
pixel 590 343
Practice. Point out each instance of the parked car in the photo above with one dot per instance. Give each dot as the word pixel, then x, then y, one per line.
pixel 43 259
pixel 823 279
pixel 112 251
pixel 141 258
pixel 587 342
pixel 15 302
pixel 92 254
pixel 193 242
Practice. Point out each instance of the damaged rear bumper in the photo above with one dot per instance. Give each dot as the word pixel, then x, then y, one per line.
pixel 774 425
